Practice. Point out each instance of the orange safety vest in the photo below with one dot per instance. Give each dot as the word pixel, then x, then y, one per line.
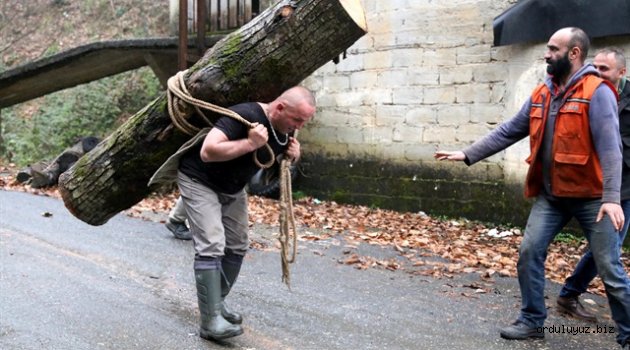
pixel 575 170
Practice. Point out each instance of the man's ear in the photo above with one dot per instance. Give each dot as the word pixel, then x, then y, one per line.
pixel 575 53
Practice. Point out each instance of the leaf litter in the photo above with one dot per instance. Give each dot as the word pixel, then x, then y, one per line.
pixel 425 245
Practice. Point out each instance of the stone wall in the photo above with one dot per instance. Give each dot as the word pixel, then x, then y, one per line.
pixel 425 77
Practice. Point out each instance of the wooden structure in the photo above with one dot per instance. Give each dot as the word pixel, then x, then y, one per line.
pixel 205 17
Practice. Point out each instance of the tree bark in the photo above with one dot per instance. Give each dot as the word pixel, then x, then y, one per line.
pixel 277 50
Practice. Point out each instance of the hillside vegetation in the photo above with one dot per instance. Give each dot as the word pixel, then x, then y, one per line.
pixel 34 29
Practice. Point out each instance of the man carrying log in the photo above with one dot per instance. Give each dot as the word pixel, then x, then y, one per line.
pixel 275 51
pixel 213 169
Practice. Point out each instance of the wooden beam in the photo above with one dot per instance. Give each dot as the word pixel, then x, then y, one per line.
pixel 182 52
pixel 202 14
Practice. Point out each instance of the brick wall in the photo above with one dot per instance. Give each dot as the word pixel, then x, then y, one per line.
pixel 425 77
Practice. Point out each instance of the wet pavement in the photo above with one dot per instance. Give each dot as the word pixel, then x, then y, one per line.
pixel 129 285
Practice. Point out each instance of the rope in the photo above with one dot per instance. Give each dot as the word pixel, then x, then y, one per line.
pixel 288 231
pixel 179 109
pixel 179 102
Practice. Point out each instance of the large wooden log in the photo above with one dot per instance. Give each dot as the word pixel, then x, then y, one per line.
pixel 277 50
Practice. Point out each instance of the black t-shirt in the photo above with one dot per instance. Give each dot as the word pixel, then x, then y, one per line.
pixel 232 175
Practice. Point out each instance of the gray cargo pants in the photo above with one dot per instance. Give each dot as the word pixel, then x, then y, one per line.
pixel 217 220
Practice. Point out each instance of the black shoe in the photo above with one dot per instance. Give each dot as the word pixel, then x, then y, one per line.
pixel 572 306
pixel 179 230
pixel 519 330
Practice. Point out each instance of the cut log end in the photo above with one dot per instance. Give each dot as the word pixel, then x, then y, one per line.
pixel 355 11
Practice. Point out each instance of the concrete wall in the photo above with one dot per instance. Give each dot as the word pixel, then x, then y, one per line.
pixel 426 77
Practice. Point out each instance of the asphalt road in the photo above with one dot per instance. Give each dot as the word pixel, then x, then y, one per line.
pixel 129 285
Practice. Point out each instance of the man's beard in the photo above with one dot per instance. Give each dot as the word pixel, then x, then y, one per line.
pixel 560 68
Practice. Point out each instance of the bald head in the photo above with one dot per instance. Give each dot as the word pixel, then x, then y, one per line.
pixel 580 39
pixel 566 52
pixel 573 37
pixel 297 95
pixel 292 109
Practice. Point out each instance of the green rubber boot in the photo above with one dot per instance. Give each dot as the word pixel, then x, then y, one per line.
pixel 231 265
pixel 213 325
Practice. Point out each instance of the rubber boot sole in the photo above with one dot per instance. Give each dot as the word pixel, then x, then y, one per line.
pixel 209 336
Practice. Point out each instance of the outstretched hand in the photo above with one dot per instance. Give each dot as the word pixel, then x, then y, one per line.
pixel 614 211
pixel 450 155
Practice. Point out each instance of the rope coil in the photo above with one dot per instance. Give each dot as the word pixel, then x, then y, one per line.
pixel 179 101
pixel 288 230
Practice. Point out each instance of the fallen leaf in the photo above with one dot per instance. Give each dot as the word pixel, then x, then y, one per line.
pixel 468 247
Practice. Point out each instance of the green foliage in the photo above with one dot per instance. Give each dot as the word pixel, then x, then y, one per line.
pixel 565 237
pixel 59 2
pixel 94 109
pixel 51 50
pixel 297 195
pixel 120 11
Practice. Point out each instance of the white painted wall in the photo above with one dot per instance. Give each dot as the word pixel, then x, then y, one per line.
pixel 426 77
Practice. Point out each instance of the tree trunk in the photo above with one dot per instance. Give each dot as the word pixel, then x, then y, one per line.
pixel 277 50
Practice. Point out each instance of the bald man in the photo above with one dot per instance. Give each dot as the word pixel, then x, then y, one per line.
pixel 574 172
pixel 213 171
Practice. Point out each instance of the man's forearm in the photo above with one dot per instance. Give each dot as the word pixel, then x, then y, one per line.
pixel 226 150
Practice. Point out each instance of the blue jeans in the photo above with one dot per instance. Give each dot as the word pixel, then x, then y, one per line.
pixel 585 270
pixel 545 220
